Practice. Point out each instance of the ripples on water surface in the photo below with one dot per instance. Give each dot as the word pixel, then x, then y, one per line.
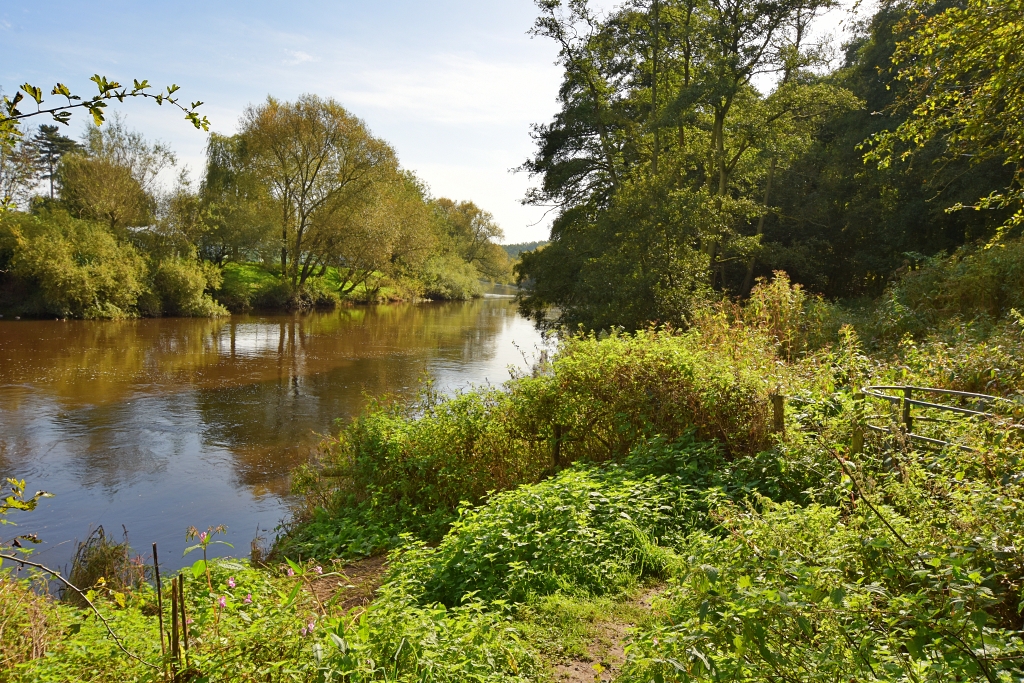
pixel 161 424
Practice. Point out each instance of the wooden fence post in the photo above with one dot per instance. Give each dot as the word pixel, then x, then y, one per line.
pixel 907 420
pixel 857 442
pixel 779 414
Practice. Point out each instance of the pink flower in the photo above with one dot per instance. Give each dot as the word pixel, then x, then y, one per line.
pixel 291 572
pixel 248 599
pixel 231 582
pixel 310 626
pixel 223 602
pixel 318 569
pixel 188 621
pixel 303 630
pixel 202 537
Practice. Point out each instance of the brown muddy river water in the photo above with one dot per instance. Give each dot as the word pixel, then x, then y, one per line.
pixel 161 424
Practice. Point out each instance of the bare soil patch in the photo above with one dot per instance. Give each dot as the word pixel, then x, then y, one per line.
pixel 353 584
pixel 606 650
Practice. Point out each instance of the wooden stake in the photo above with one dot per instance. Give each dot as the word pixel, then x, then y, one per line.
pixel 857 442
pixel 779 414
pixel 184 619
pixel 907 420
pixel 160 610
pixel 175 646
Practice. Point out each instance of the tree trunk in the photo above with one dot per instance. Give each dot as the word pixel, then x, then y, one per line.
pixel 748 281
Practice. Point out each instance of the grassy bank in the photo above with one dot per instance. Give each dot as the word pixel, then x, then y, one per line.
pixel 631 510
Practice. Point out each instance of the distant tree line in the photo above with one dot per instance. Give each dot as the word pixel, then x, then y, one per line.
pixel 676 179
pixel 303 207
pixel 514 250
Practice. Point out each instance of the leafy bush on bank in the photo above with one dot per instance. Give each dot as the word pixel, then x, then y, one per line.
pixel 409 467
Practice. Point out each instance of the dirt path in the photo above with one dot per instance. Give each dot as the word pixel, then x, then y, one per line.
pixel 353 584
pixel 606 649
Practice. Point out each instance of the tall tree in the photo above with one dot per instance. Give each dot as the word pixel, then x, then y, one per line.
pixel 659 158
pixel 473 234
pixel 114 177
pixel 50 146
pixel 317 159
pixel 964 73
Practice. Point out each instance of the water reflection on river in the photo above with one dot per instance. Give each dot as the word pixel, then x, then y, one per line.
pixel 161 424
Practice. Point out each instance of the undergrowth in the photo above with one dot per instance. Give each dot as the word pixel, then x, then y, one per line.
pixel 519 517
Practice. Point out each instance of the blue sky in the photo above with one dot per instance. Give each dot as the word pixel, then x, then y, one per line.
pixel 453 85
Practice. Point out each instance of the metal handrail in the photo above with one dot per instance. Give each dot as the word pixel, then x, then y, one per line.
pixel 906 402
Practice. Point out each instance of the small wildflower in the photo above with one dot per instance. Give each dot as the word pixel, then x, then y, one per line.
pixel 248 599
pixel 188 621
pixel 318 569
pixel 310 626
pixel 223 602
pixel 202 537
pixel 291 572
pixel 231 582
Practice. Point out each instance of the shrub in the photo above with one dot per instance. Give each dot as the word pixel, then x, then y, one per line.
pixel 975 283
pixel 315 292
pixel 589 530
pixel 78 268
pixel 448 277
pixel 103 562
pixel 30 623
pixel 181 285
pixel 410 467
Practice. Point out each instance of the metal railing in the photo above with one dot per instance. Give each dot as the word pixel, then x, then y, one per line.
pixel 907 403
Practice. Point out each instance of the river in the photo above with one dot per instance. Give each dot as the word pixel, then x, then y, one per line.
pixel 160 424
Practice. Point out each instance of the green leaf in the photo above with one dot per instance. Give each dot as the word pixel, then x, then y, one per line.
pixel 199 568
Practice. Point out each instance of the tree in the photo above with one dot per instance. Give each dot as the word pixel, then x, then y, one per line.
pixel 113 178
pixel 660 158
pixel 17 172
pixel 237 208
pixel 50 146
pixel 317 159
pixel 472 234
pixel 964 73
pixel 386 235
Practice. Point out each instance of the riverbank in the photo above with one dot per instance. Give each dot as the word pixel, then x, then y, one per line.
pixel 639 506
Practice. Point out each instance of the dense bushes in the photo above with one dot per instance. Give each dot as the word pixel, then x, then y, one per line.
pixel 591 529
pixel 76 268
pixel 62 266
pixel 409 467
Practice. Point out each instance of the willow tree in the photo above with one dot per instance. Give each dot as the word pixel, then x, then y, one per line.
pixel 317 159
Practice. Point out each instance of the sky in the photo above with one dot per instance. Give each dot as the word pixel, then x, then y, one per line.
pixel 452 85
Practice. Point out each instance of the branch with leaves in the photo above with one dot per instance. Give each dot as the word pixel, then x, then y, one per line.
pixel 11 112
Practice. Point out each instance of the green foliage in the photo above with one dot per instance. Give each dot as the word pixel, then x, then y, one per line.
pixel 588 530
pixel 961 68
pixel 182 287
pixel 32 622
pixel 447 277
pixel 77 268
pixel 514 250
pixel 100 561
pixel 408 468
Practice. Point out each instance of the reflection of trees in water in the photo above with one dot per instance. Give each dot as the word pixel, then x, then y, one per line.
pixel 120 400
pixel 270 426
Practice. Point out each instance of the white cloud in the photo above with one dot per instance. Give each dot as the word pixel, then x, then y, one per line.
pixel 296 57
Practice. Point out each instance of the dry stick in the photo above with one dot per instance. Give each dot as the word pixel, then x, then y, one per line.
pixel 184 620
pixel 160 609
pixel 878 514
pixel 56 575
pixel 175 645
